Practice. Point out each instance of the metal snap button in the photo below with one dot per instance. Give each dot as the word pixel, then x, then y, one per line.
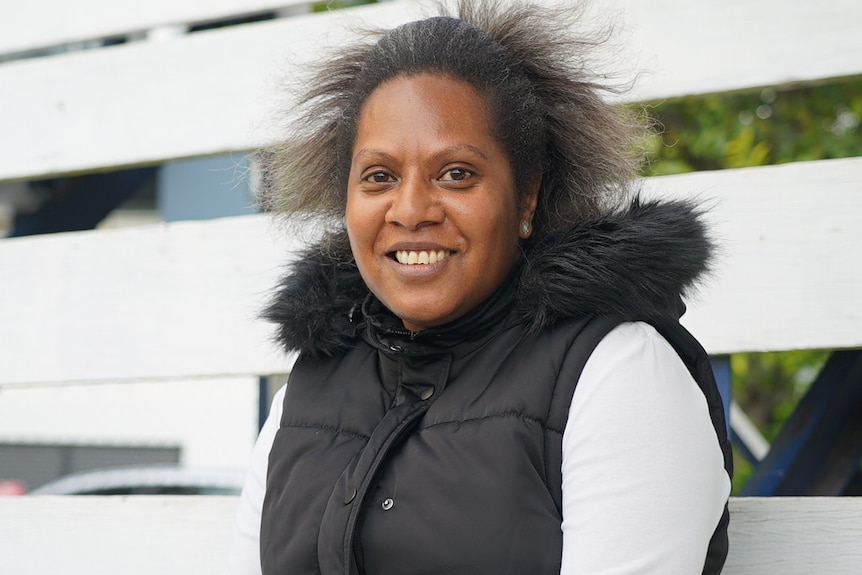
pixel 387 504
pixel 351 494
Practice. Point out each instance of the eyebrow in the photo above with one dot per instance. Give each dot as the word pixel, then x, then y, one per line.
pixel 375 153
pixel 372 153
pixel 463 147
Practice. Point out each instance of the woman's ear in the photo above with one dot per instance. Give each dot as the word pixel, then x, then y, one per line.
pixel 528 208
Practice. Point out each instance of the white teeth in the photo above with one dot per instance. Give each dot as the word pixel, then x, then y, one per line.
pixel 423 257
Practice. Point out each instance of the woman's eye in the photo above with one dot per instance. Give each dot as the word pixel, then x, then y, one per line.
pixel 457 174
pixel 378 178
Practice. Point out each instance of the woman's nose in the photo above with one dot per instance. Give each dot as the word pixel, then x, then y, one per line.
pixel 415 204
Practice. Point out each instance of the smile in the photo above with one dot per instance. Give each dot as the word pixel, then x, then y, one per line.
pixel 410 258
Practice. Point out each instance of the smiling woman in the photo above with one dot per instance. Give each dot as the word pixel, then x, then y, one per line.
pixel 491 377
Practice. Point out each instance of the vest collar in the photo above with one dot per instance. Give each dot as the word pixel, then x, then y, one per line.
pixel 382 329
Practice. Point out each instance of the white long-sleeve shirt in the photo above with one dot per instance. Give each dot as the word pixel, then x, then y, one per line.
pixel 644 483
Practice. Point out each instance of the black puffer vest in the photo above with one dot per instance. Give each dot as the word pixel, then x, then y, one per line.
pixel 441 452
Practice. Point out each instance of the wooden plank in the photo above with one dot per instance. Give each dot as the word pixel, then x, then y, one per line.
pixel 44 23
pixel 747 433
pixel 794 536
pixel 786 277
pixel 180 300
pixel 202 94
pixel 709 47
pixel 190 534
pixel 216 92
pixel 137 535
pixel 156 302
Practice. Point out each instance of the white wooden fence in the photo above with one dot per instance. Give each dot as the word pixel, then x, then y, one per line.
pixel 189 534
pixel 179 300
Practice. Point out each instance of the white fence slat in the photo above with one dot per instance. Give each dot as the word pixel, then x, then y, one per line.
pixel 709 47
pixel 156 302
pixel 795 536
pixel 180 299
pixel 744 429
pixel 787 276
pixel 216 91
pixel 201 94
pixel 136 535
pixel 189 534
pixel 44 23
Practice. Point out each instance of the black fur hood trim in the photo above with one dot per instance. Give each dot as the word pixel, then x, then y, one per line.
pixel 635 263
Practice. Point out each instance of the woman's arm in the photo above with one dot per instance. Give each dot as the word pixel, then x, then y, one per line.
pixel 644 483
pixel 244 555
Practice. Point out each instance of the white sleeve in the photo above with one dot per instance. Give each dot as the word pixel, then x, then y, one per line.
pixel 644 483
pixel 244 553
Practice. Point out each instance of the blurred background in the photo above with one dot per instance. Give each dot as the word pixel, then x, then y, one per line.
pixel 48 431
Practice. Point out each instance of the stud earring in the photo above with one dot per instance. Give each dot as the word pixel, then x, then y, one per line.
pixel 526 228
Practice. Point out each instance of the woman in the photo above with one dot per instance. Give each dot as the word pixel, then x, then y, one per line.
pixel 491 374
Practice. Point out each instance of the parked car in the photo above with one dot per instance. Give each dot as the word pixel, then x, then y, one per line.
pixel 151 480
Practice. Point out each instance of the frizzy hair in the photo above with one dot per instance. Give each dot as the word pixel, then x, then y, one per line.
pixel 542 88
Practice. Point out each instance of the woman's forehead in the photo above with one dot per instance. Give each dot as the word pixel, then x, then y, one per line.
pixel 429 104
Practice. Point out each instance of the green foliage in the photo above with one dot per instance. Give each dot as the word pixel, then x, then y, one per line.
pixel 742 470
pixel 327 5
pixel 755 129
pixel 770 384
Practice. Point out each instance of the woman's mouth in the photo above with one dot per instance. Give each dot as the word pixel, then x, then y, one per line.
pixel 411 257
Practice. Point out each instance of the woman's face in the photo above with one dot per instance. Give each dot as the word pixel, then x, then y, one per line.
pixel 432 214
